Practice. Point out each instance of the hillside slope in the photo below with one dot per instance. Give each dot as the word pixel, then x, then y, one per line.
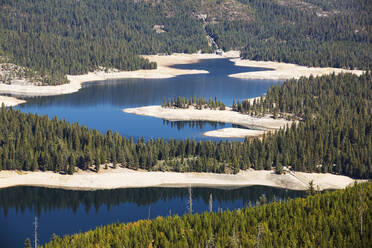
pixel 337 219
pixel 57 37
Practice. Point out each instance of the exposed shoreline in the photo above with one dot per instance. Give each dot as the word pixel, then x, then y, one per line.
pixel 257 126
pixel 10 101
pixel 283 71
pixel 280 71
pixel 233 132
pixel 164 70
pixel 126 178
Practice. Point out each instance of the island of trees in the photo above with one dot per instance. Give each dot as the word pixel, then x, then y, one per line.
pixel 334 219
pixel 197 103
pixel 335 135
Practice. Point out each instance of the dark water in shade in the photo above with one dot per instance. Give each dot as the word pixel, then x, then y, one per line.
pixel 69 211
pixel 99 105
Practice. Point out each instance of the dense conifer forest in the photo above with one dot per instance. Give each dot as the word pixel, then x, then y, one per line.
pixel 334 219
pixel 73 37
pixel 335 135
pixel 197 103
pixel 58 37
pixel 334 33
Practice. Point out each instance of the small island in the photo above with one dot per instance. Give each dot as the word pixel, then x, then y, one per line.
pixel 254 123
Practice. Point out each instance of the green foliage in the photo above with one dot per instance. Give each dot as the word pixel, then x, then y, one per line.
pixel 197 103
pixel 56 37
pixel 28 243
pixel 331 219
pixel 313 33
pixel 335 135
pixel 73 37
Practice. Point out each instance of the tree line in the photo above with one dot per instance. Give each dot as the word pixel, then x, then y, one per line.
pixel 56 37
pixel 197 103
pixel 312 33
pixel 334 219
pixel 60 37
pixel 335 135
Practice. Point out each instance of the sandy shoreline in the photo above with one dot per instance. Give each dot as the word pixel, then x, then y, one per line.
pixel 257 126
pixel 233 132
pixel 165 62
pixel 282 71
pixel 126 178
pixel 10 101
pixel 164 70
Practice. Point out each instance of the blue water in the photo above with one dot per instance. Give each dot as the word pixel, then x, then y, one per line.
pixel 99 105
pixel 67 211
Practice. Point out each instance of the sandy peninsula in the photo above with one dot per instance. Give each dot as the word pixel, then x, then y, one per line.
pixel 257 126
pixel 234 132
pixel 10 101
pixel 164 70
pixel 125 178
pixel 282 71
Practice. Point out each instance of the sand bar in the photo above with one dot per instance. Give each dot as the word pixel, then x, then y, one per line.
pixel 282 71
pixel 233 132
pixel 265 123
pixel 164 70
pixel 126 178
pixel 10 101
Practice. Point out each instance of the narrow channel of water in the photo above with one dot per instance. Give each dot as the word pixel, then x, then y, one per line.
pixel 99 105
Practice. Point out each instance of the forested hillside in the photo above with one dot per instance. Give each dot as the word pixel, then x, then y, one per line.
pixel 59 37
pixel 335 135
pixel 335 33
pixel 335 219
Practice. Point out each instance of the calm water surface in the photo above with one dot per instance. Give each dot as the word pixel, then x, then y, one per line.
pixel 99 105
pixel 67 211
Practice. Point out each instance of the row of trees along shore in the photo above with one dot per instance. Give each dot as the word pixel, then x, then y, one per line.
pixel 254 107
pixel 335 136
pixel 340 218
pixel 197 103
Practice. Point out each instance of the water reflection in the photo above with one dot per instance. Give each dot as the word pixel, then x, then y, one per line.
pixel 98 105
pixel 39 199
pixel 66 211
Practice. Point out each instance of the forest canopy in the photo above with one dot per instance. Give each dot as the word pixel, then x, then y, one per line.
pixel 334 135
pixel 334 219
pixel 58 37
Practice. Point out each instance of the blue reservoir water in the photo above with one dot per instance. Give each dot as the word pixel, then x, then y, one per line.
pixel 69 211
pixel 99 105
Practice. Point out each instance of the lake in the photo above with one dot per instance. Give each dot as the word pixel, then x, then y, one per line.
pixel 99 105
pixel 69 211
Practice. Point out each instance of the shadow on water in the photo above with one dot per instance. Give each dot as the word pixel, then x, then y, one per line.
pixel 99 104
pixel 68 211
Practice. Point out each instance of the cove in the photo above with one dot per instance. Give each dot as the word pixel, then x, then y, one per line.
pixel 98 105
pixel 69 211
